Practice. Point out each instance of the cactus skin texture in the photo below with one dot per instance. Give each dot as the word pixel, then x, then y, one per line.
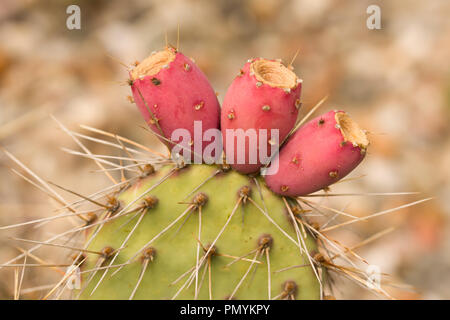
pixel 176 250
pixel 265 95
pixel 318 154
pixel 176 93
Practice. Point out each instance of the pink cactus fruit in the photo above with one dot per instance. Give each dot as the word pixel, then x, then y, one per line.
pixel 320 153
pixel 265 95
pixel 171 92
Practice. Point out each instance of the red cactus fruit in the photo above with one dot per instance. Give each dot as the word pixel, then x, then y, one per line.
pixel 320 153
pixel 265 95
pixel 171 93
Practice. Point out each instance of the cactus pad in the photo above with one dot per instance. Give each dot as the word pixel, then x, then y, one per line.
pixel 152 246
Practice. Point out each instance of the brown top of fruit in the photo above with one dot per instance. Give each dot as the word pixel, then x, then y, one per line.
pixel 153 64
pixel 351 131
pixel 274 74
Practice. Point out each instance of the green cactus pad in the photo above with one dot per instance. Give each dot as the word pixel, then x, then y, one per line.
pixel 249 233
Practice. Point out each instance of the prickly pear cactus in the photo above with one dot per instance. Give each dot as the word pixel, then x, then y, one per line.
pixel 199 232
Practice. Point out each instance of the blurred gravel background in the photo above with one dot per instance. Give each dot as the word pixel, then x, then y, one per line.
pixel 395 82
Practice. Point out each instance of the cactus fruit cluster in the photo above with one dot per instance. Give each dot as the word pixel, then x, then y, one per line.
pixel 227 230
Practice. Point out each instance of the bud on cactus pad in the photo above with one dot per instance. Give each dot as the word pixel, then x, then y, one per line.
pixel 317 155
pixel 265 95
pixel 171 93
